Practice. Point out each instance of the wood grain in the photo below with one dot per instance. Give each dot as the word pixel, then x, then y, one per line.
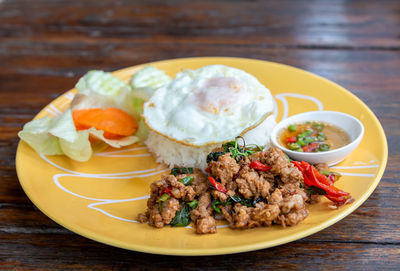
pixel 78 254
pixel 346 24
pixel 45 46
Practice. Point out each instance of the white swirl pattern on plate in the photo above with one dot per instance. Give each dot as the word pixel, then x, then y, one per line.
pixel 51 109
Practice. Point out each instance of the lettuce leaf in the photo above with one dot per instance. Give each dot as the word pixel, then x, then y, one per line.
pixel 80 149
pixel 62 126
pixel 147 80
pixel 144 83
pixel 142 131
pixel 36 134
pixel 100 82
pixel 42 134
pixel 96 89
pixel 102 90
pixel 58 136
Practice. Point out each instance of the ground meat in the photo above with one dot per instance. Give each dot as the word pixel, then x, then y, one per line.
pixel 266 214
pixel 314 199
pixel 275 197
pixel 226 212
pixel 203 208
pixel 257 156
pixel 252 198
pixel 292 202
pixel 201 215
pixel 280 166
pixel 179 190
pixel 219 195
pixel 206 225
pixel 154 217
pixel 296 217
pixel 169 209
pixel 293 218
pixel 248 217
pixel 142 218
pixel 293 188
pixel 225 168
pixel 252 185
pixel 160 214
pixel 200 183
pixel 241 216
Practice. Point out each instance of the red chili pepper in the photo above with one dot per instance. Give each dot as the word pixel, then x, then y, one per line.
pixel 257 165
pixel 217 185
pixel 311 147
pixel 321 177
pixel 332 178
pixel 330 189
pixel 208 170
pixel 298 165
pixel 291 139
pixel 303 167
pixel 308 178
pixel 312 177
pixel 168 190
pixel 306 166
pixel 341 199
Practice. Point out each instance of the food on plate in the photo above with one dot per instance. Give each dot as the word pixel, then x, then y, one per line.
pixel 313 137
pixel 244 186
pixel 113 121
pixel 105 112
pixel 198 123
pixel 188 116
pixel 201 109
pixel 323 180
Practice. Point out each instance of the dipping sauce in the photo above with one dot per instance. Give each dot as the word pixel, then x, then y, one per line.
pixel 313 137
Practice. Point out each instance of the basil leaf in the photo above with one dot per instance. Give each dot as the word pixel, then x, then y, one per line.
pixel 213 156
pixel 247 202
pixel 182 217
pixel 236 198
pixel 181 170
pixel 312 190
pixel 228 145
pixel 237 151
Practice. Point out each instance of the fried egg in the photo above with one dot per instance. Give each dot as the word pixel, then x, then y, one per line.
pixel 210 105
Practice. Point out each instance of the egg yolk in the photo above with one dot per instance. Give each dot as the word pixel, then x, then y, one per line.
pixel 218 94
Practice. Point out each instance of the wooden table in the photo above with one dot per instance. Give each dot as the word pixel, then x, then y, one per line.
pixel 45 46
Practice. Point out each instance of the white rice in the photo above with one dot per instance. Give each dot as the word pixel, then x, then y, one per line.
pixel 176 154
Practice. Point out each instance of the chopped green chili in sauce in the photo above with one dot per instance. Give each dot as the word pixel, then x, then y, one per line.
pixel 313 137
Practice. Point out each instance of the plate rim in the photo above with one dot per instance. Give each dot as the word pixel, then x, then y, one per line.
pixel 233 249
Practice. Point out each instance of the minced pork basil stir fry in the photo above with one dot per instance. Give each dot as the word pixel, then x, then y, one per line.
pixel 244 186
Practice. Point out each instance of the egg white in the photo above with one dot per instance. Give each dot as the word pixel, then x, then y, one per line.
pixel 213 104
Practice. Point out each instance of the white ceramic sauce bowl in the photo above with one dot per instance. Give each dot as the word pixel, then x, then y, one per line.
pixel 350 124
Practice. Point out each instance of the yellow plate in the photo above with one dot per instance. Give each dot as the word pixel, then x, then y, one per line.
pixel 100 199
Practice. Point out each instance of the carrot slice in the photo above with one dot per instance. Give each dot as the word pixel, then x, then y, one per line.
pixel 113 121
